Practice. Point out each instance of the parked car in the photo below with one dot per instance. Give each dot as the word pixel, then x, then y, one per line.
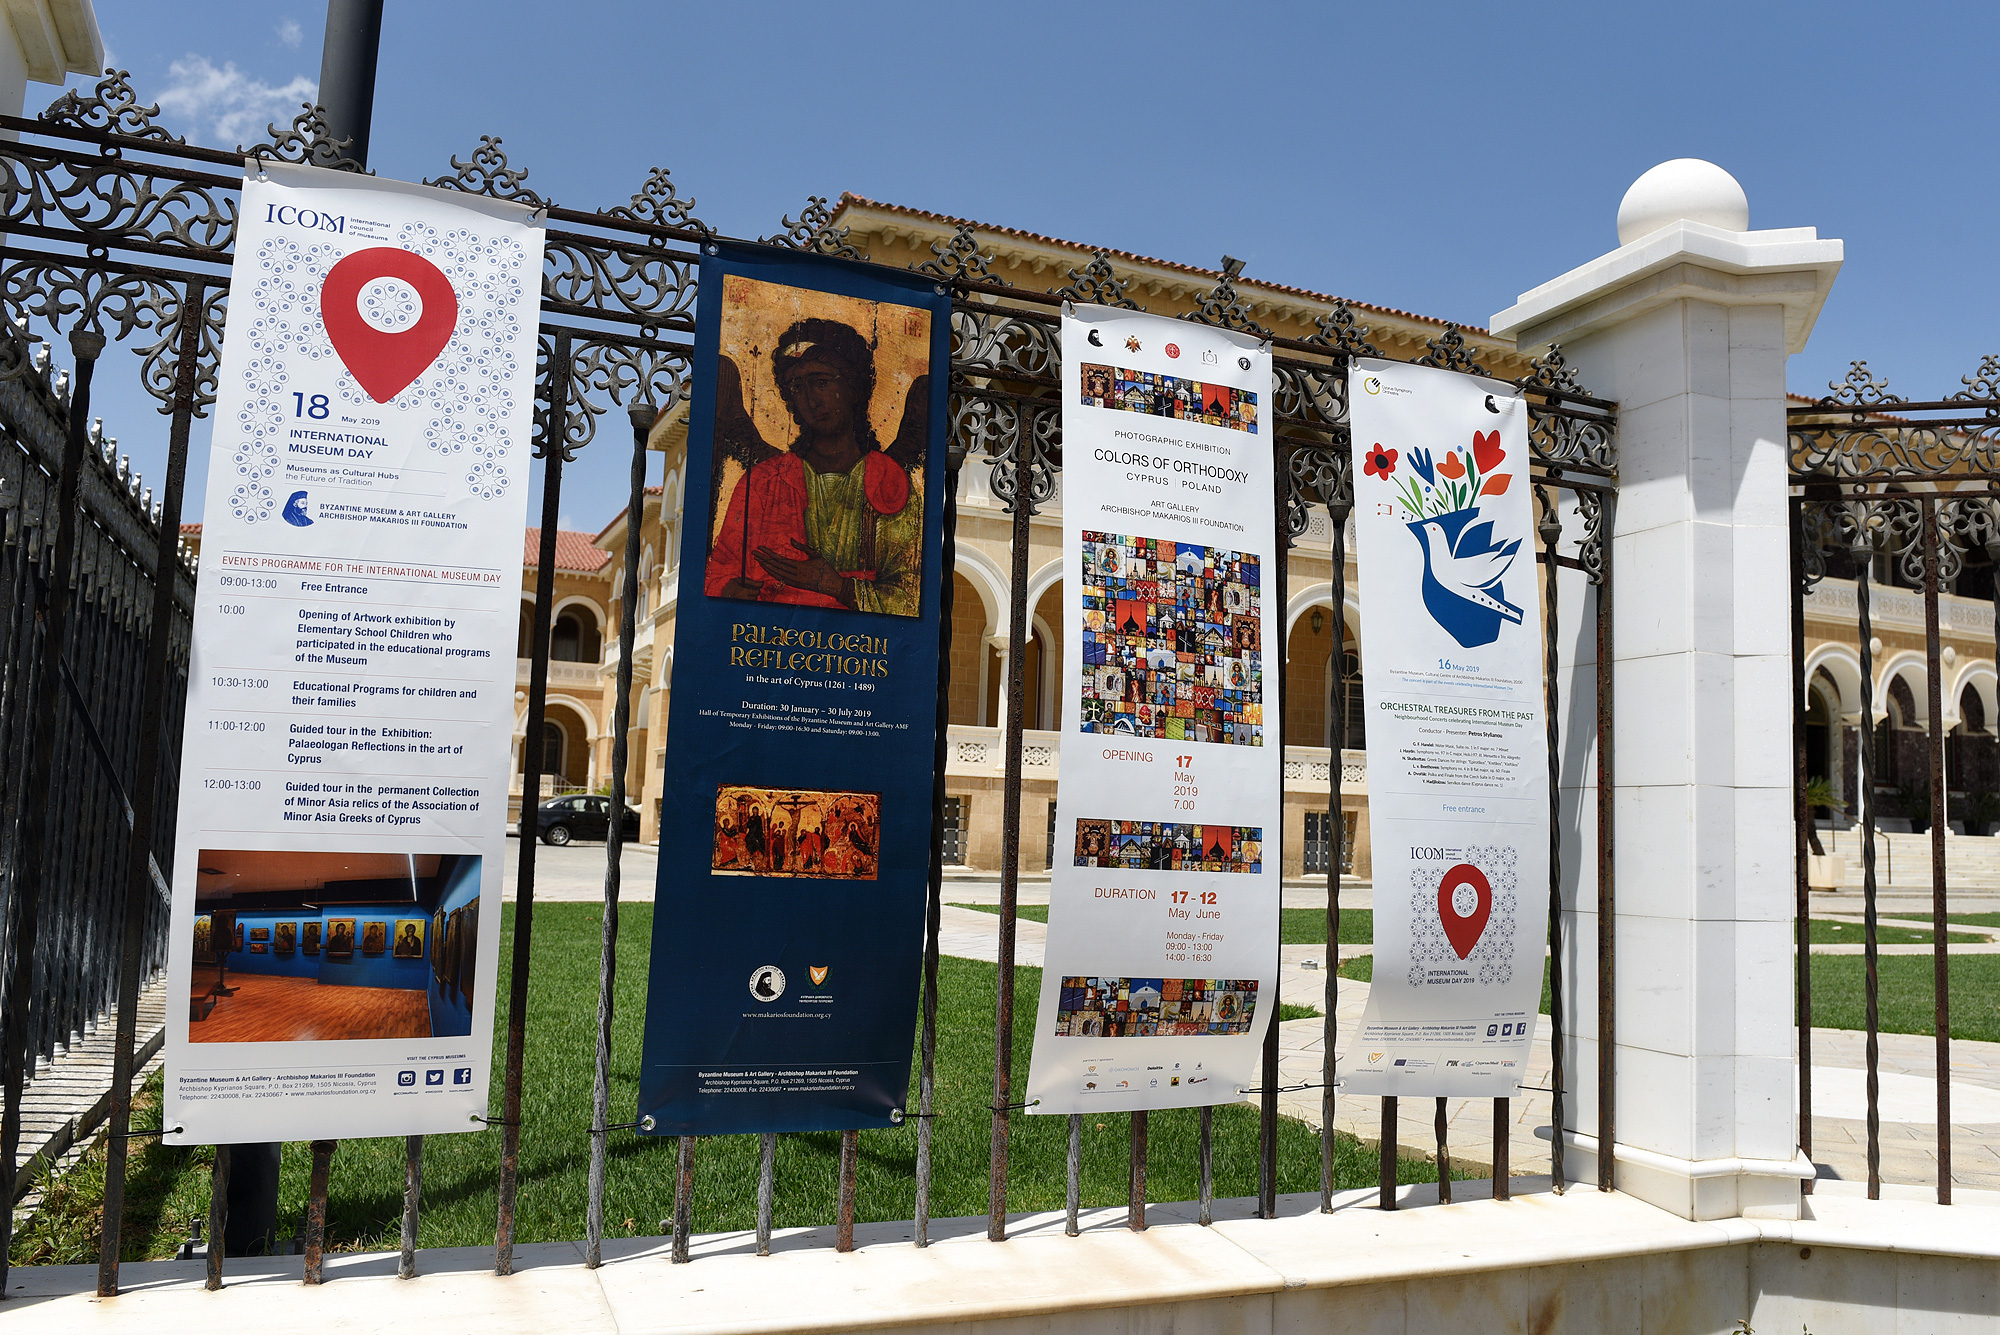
pixel 581 816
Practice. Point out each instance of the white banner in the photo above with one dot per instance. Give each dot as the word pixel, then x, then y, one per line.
pixel 1458 781
pixel 1162 954
pixel 344 767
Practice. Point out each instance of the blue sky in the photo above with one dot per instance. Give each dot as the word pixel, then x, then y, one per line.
pixel 1440 158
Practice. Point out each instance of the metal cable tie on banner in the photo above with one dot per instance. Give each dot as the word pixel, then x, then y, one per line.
pixel 156 1131
pixel 615 1126
pixel 493 1121
pixel 1010 1107
pixel 1290 1089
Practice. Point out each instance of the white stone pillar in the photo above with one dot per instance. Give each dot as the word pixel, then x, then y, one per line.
pixel 1687 325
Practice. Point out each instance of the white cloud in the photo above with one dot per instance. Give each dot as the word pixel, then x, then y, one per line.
pixel 227 106
pixel 291 34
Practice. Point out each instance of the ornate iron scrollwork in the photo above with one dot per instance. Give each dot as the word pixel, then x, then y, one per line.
pixel 1561 436
pixel 1003 343
pixel 1018 436
pixel 1339 332
pixel 606 277
pixel 83 297
pixel 1983 384
pixel 1450 352
pixel 1859 390
pixel 110 201
pixel 159 361
pixel 959 259
pixel 1858 439
pixel 1590 548
pixel 310 141
pixel 114 108
pixel 1552 373
pixel 1223 308
pixel 1313 395
pixel 607 372
pixel 815 232
pixel 657 203
pixel 1096 284
pixel 487 173
pixel 1317 474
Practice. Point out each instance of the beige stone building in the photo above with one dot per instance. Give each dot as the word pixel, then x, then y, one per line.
pixel 575 739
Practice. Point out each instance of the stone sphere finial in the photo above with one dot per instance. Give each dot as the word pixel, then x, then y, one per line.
pixel 1685 188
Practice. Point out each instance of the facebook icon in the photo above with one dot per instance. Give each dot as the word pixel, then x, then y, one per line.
pixel 462 1076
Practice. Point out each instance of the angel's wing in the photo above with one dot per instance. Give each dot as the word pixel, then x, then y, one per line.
pixel 913 434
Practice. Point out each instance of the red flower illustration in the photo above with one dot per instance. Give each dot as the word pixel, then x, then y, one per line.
pixel 1452 467
pixel 1378 462
pixel 1486 451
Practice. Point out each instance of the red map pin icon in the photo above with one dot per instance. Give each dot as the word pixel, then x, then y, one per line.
pixel 389 313
pixel 1463 929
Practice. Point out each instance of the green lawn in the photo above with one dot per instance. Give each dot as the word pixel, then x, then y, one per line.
pixel 168 1188
pixel 1907 994
pixel 1297 927
pixel 1826 932
pixel 1975 919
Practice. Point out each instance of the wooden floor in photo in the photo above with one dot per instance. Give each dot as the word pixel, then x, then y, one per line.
pixel 267 1009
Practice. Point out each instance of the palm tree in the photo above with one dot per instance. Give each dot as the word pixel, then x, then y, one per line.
pixel 1819 797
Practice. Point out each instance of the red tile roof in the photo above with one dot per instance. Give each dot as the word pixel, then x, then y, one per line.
pixel 849 197
pixel 574 551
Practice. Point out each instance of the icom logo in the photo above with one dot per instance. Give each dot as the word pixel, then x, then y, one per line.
pixel 312 220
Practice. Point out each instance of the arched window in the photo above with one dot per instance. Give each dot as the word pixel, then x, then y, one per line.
pixel 1356 716
pixel 573 639
pixel 552 749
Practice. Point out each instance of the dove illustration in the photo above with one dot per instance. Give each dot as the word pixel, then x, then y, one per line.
pixel 1471 568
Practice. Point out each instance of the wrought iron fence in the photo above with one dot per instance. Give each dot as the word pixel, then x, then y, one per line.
pixel 118 228
pixel 64 829
pixel 1887 490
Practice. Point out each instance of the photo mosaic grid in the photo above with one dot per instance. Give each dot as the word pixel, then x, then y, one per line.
pixel 1169 396
pixel 1155 1007
pixel 1159 845
pixel 1171 646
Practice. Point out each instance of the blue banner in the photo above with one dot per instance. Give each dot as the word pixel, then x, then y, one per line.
pixel 795 839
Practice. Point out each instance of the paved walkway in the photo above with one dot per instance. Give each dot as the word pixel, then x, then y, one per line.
pixel 1907 1069
pixel 574 873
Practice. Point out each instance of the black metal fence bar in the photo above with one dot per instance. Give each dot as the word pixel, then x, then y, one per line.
pixel 1802 817
pixel 1550 528
pixel 553 440
pixel 642 415
pixel 147 785
pixel 1337 512
pixel 1941 963
pixel 1025 451
pixel 413 1190
pixel 934 889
